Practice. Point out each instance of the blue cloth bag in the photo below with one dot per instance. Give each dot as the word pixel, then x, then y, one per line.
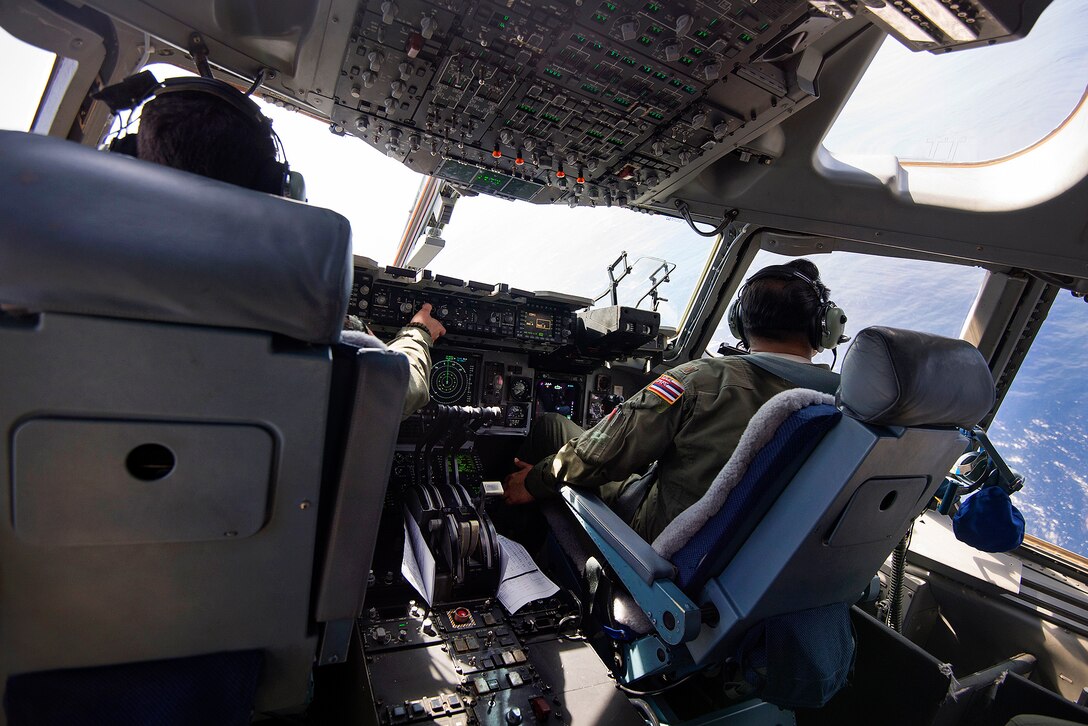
pixel 988 521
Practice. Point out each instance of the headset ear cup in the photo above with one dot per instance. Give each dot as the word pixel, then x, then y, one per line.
pixel 272 178
pixel 832 325
pixel 736 327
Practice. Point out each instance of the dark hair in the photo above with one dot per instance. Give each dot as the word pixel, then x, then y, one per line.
pixel 202 134
pixel 782 308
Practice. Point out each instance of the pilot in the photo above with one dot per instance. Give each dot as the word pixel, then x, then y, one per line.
pixel 690 419
pixel 201 133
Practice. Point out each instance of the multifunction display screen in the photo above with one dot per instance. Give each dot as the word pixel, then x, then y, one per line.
pixel 561 397
pixel 453 379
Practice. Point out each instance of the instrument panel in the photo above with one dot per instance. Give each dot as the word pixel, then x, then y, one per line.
pixel 470 311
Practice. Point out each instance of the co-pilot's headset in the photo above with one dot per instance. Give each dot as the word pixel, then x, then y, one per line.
pixel 828 322
pixel 274 177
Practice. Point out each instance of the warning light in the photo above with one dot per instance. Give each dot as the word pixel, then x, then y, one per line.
pixel 560 173
pixel 518 160
pixel 496 153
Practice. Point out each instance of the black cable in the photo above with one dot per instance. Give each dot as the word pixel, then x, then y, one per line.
pixel 727 220
pixel 658 691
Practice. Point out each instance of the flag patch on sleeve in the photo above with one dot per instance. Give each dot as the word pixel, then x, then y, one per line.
pixel 667 389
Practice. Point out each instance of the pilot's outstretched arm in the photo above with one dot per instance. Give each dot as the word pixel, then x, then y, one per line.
pixel 414 341
pixel 636 434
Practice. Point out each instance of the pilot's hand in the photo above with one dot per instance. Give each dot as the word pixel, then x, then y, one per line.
pixel 423 317
pixel 513 486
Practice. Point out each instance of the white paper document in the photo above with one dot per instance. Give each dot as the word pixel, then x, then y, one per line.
pixel 417 565
pixel 520 580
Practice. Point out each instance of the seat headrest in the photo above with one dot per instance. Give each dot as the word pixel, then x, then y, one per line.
pixel 896 377
pixel 86 232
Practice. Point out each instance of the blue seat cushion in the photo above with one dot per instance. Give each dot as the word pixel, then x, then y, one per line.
pixel 711 548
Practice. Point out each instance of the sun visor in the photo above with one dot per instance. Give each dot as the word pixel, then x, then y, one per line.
pixel 87 232
pixel 898 377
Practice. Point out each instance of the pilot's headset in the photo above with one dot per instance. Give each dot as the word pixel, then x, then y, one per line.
pixel 275 176
pixel 828 322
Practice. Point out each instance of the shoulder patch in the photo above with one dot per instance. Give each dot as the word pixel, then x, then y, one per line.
pixel 667 389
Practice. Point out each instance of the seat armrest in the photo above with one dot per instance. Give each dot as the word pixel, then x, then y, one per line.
pixel 642 571
pixel 635 551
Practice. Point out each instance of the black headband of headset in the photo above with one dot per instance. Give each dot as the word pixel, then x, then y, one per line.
pixel 143 86
pixel 785 272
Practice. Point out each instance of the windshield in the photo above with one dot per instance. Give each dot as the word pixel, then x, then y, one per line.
pixel 570 250
pixel 22 90
pixel 917 294
pixel 1041 428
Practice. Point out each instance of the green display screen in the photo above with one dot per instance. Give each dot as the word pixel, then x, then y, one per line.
pixel 490 180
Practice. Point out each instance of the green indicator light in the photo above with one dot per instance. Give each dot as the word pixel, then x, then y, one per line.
pixel 550 117
pixel 590 87
pixel 696 52
pixel 677 82
pixel 686 61
pixel 610 7
pixel 613 54
pixel 629 61
pixel 661 76
pixel 656 29
pixel 689 89
pixel 764 26
pixel 712 23
pixel 502 26
pixel 597 46
pixel 617 142
pixel 646 69
pixel 600 17
pixel 622 101
pixel 644 40
pixel 746 38
pixel 652 7
pixel 553 73
pixel 578 38
pixel 656 115
pixel 402 625
pixel 702 34
pixel 526 108
pixel 505 17
pixel 595 134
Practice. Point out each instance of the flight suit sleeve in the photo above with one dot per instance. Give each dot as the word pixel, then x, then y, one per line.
pixel 626 442
pixel 415 343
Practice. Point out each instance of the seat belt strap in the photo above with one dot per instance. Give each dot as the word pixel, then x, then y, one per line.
pixel 802 375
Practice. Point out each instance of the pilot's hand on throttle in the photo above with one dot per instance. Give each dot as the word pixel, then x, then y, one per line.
pixel 423 317
pixel 513 486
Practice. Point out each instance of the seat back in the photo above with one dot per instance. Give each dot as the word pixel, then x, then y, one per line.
pixel 163 416
pixel 822 529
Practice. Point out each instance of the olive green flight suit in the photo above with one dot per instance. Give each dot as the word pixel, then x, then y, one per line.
pixel 415 343
pixel 691 438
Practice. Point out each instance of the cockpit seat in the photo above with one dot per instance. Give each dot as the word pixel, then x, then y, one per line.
pixel 178 487
pixel 805 512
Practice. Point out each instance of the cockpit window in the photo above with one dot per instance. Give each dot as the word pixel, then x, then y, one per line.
pixel 1042 428
pixel 23 89
pixel 527 246
pixel 570 250
pixel 921 119
pixel 917 294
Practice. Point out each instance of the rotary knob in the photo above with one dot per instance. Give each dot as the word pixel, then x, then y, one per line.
pixel 406 307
